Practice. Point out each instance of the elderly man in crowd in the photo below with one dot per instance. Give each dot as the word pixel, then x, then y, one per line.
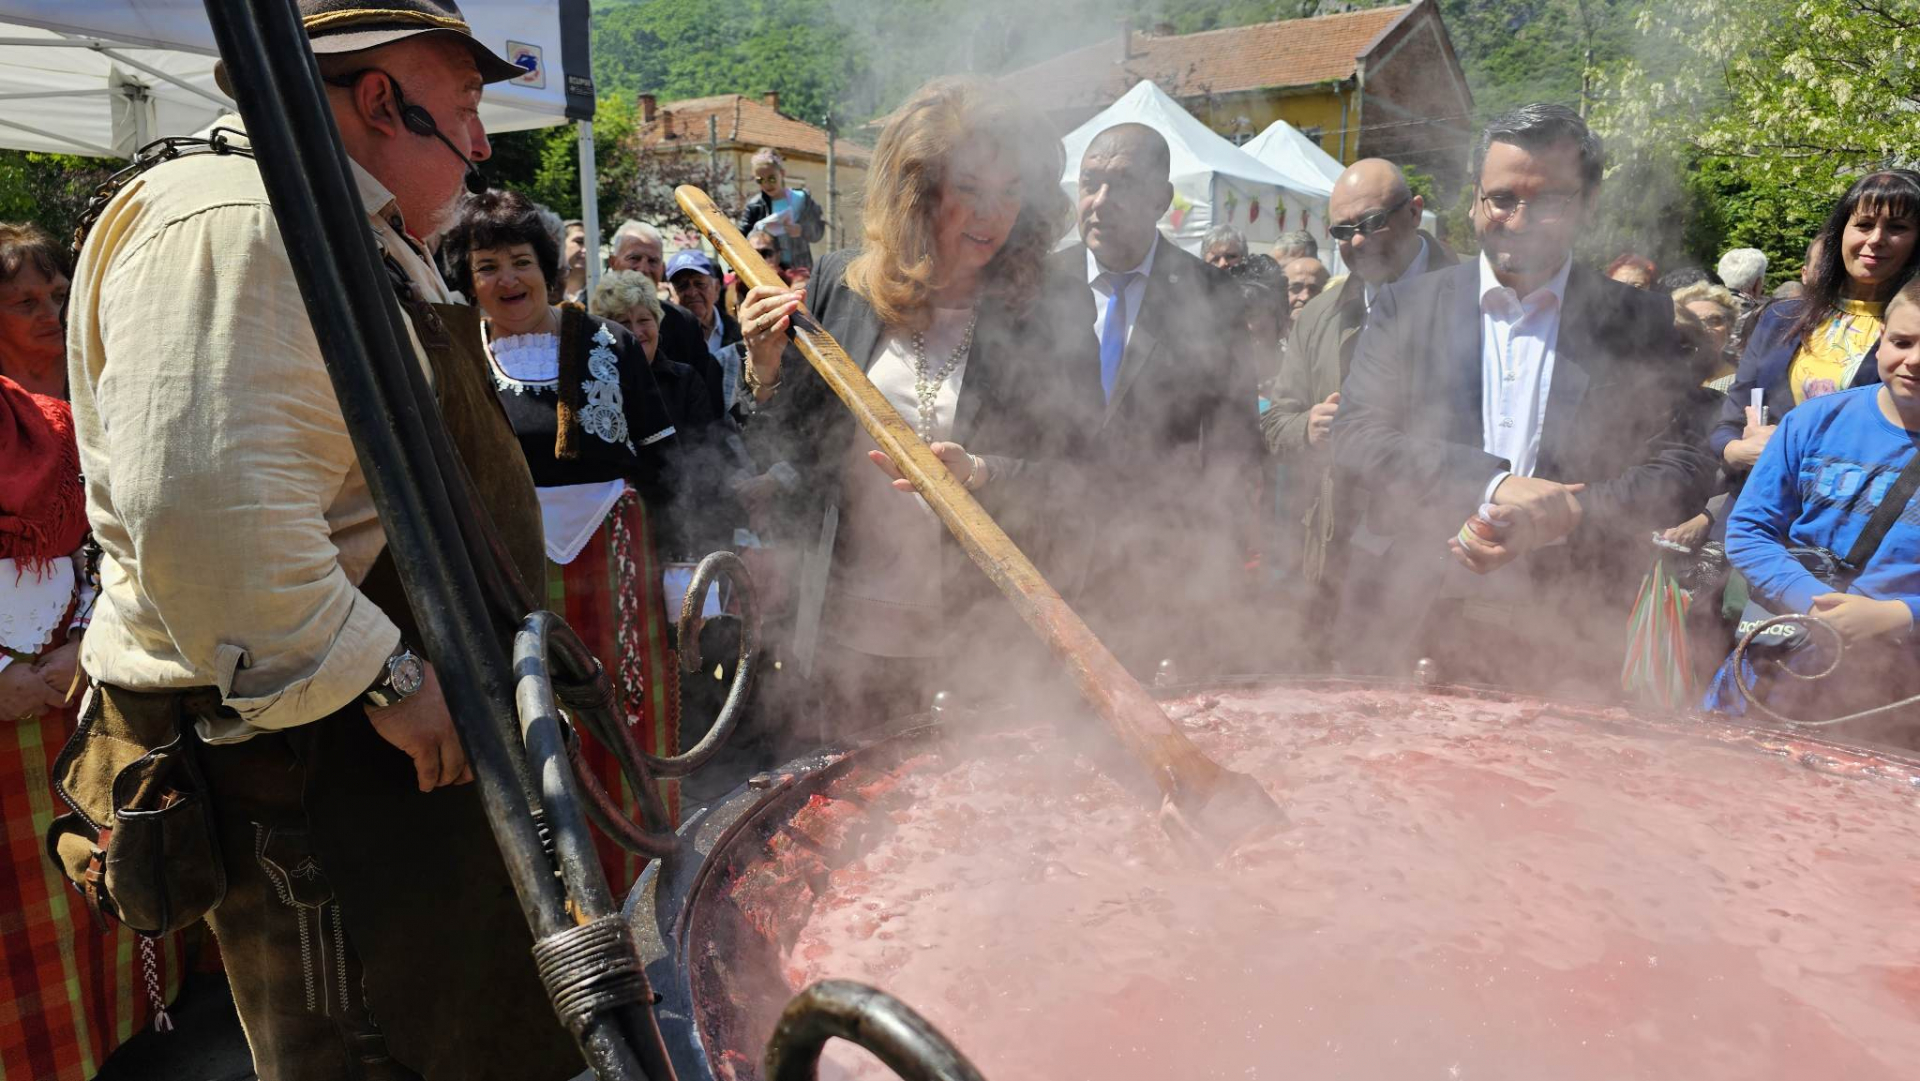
pixel 1306 278
pixel 696 286
pixel 1298 244
pixel 1179 449
pixel 1376 222
pixel 1744 272
pixel 1223 246
pixel 367 924
pixel 639 246
pixel 1529 383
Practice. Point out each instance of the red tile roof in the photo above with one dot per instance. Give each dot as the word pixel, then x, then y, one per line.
pixel 1296 52
pixel 748 121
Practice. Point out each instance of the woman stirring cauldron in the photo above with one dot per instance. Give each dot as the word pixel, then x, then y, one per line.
pixel 581 397
pixel 948 308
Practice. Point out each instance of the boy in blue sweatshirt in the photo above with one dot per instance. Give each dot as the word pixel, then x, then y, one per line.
pixel 1816 484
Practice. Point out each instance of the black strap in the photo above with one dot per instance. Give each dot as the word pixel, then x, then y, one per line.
pixel 1887 513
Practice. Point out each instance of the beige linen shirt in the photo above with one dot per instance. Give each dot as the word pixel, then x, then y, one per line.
pixel 221 483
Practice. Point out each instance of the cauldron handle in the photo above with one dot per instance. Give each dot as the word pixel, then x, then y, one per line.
pixel 735 569
pixel 870 1018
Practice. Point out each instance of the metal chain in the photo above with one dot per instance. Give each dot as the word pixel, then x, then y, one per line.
pixel 154 153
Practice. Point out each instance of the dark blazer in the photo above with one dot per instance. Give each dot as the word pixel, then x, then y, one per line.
pixel 1409 430
pixel 681 340
pixel 1178 467
pixel 1765 363
pixel 1028 401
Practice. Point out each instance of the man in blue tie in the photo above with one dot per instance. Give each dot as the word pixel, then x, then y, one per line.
pixel 1178 451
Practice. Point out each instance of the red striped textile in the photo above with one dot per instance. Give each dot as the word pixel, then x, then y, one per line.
pixel 69 994
pixel 612 597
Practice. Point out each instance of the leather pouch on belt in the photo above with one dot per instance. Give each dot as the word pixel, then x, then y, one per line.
pixel 140 846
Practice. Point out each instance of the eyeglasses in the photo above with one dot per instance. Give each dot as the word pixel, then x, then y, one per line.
pixel 1368 225
pixel 1546 208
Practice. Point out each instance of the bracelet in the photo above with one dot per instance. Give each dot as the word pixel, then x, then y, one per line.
pixel 752 379
pixel 976 473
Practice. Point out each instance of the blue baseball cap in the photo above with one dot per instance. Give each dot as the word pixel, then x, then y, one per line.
pixel 690 259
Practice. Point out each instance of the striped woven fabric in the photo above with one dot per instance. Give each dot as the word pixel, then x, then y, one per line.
pixel 612 597
pixel 69 994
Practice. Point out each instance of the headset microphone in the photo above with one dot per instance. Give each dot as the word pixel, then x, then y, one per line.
pixel 421 122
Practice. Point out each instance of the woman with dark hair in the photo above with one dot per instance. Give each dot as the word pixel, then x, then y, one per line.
pixel 580 395
pixel 73 993
pixel 949 308
pixel 1823 340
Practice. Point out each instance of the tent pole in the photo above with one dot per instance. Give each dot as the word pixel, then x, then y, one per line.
pixel 589 201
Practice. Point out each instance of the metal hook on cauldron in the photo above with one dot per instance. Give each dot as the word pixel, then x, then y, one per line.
pixel 1811 622
pixel 870 1018
pixel 745 668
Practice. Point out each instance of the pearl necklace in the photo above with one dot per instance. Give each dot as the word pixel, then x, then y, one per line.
pixel 926 388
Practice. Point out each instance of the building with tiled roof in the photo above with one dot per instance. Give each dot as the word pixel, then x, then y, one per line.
pixel 731 127
pixel 1383 82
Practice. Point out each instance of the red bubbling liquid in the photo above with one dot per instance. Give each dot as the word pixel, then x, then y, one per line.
pixel 1468 890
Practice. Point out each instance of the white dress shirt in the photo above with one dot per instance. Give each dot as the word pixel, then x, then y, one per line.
pixel 1414 270
pixel 1518 336
pixel 1135 293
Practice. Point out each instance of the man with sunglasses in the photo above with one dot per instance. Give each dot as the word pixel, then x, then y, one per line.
pixel 1532 386
pixel 1376 222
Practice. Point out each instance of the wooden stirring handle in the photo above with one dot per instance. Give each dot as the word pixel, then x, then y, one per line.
pixel 1184 774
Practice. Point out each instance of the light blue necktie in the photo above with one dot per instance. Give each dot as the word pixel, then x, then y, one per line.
pixel 1113 332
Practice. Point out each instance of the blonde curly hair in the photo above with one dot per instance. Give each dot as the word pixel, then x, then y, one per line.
pixel 1703 290
pixel 894 270
pixel 620 292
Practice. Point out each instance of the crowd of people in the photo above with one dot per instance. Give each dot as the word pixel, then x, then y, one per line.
pixel 1464 462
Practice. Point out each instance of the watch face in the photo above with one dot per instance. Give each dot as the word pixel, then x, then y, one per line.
pixel 406 675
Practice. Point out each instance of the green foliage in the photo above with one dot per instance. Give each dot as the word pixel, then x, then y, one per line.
pixel 50 190
pixel 545 162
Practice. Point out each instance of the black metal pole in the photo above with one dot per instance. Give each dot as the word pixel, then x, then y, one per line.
pixel 358 326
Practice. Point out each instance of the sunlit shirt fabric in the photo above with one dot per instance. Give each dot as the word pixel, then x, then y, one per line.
pixel 1517 340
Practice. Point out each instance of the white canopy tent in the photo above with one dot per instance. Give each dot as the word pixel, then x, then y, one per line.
pixel 1283 149
pixel 1214 182
pixel 106 77
pixel 1290 153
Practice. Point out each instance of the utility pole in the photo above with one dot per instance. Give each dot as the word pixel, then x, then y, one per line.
pixel 833 202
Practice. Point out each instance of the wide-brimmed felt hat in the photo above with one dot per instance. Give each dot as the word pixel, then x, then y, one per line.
pixel 350 26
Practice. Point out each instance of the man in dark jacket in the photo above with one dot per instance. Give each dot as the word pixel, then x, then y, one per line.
pixel 1178 451
pixel 1376 221
pixel 1526 382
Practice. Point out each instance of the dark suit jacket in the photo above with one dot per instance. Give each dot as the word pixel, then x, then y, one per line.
pixel 1029 399
pixel 681 340
pixel 1409 430
pixel 1319 354
pixel 1178 467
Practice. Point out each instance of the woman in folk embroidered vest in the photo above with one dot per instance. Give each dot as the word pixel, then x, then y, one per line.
pixel 74 992
pixel 602 448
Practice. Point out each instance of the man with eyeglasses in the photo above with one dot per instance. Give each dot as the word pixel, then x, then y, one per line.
pixel 1535 389
pixel 1376 222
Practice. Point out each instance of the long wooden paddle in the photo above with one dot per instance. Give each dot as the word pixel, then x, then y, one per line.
pixel 1221 805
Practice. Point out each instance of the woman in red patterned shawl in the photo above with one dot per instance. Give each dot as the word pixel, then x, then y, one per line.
pixel 69 992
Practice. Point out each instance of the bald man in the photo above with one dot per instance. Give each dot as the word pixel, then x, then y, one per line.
pixel 1179 452
pixel 1376 222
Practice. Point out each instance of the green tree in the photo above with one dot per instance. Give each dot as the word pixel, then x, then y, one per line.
pixel 50 190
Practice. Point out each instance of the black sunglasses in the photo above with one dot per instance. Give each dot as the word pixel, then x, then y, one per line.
pixel 1368 225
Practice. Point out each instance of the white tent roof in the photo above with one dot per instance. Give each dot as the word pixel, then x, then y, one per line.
pixel 1284 150
pixel 1214 181
pixel 105 77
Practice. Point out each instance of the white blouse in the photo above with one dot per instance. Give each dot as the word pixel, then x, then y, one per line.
pixel 885 596
pixel 34 601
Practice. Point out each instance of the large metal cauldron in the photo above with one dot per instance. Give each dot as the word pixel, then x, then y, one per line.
pixel 702 916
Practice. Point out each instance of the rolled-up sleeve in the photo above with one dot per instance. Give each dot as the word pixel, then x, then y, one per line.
pixel 227 449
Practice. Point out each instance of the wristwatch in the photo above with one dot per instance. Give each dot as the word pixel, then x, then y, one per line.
pixel 402 678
